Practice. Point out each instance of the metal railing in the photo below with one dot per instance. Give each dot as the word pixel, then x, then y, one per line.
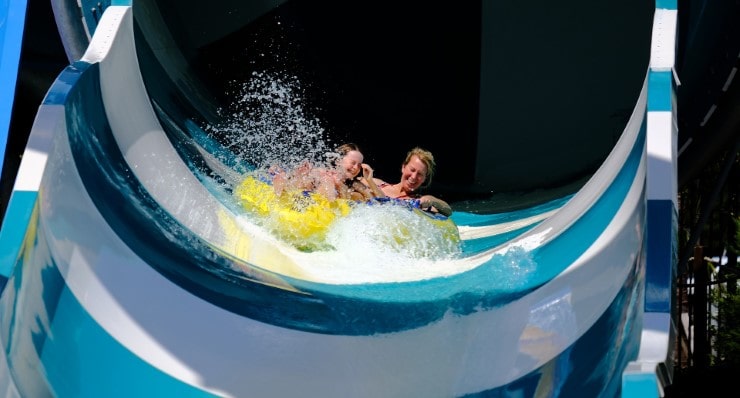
pixel 707 307
pixel 708 297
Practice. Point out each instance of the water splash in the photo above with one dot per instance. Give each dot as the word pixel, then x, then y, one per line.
pixel 365 253
pixel 268 125
pixel 387 233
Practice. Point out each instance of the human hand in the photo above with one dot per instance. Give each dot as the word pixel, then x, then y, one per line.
pixel 426 201
pixel 435 205
pixel 367 171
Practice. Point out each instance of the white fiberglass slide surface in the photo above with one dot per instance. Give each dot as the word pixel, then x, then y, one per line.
pixel 170 281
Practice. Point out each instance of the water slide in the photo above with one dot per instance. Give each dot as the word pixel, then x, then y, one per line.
pixel 130 270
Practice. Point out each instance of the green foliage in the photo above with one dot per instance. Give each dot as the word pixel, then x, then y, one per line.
pixel 725 329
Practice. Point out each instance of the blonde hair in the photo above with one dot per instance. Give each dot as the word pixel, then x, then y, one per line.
pixel 427 158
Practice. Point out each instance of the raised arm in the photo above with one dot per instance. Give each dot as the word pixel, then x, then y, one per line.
pixel 369 181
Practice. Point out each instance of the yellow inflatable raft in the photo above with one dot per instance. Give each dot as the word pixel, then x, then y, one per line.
pixel 304 218
pixel 301 218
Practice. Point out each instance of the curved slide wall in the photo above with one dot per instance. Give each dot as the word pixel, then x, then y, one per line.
pixel 129 262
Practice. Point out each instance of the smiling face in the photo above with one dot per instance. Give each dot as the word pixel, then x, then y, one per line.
pixel 351 164
pixel 413 174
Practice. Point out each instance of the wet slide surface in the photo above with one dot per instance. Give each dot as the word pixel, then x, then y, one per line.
pixel 157 187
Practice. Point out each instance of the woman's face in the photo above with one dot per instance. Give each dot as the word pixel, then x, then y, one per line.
pixel 351 163
pixel 413 174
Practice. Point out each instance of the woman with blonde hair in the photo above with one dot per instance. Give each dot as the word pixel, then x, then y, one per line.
pixel 417 171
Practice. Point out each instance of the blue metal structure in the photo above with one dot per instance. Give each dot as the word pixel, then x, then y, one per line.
pixel 12 21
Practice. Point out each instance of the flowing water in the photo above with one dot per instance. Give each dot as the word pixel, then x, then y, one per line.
pixel 268 125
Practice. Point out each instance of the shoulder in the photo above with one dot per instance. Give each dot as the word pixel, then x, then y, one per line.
pixel 380 183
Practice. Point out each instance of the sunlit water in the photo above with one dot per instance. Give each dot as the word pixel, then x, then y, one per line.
pixel 268 126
